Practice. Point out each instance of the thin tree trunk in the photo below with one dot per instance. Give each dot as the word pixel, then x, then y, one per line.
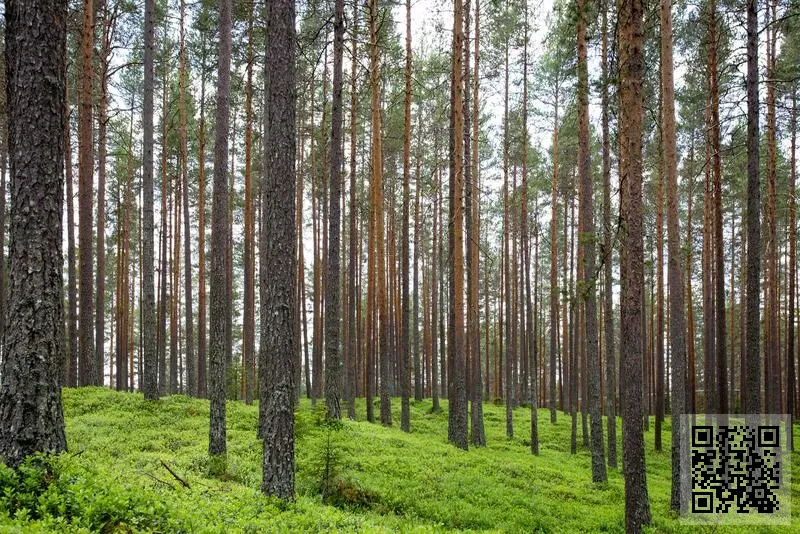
pixel 721 377
pixel 249 319
pixel 677 322
pixel 149 382
pixel 333 358
pixel 191 371
pixel 72 299
pixel 354 299
pixel 588 268
pixel 608 257
pixel 88 369
pixel 405 379
pixel 473 240
pixel 201 231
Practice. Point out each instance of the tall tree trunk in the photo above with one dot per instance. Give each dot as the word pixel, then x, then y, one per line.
pixel 377 211
pixel 721 377
pixel 509 391
pixel 554 268
pixel 249 319
pixel 608 256
pixel 216 385
pixel 473 240
pixel 149 382
pixel 772 390
pixel 691 387
pixel 201 230
pixel 32 419
pixel 631 28
pixel 405 379
pixel 277 278
pixel 102 151
pixel 659 279
pixel 72 298
pixel 588 281
pixel 88 372
pixel 333 358
pixel 752 398
pixel 677 322
pixel 457 390
pixel 191 370
pixel 354 299
pixel 791 391
pixel 163 265
pixel 527 308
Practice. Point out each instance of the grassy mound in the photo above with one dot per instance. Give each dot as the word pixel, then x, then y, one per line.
pixel 139 466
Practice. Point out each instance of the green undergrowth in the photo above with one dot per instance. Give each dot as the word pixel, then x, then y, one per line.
pixel 140 466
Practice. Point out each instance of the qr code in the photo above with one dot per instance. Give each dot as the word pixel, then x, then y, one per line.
pixel 736 468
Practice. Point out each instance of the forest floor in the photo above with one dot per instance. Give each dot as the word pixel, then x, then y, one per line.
pixel 138 466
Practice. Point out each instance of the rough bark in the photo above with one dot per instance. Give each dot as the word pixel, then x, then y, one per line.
pixel 473 211
pixel 752 398
pixel 588 242
pixel 278 260
pixel 333 357
pixel 31 417
pixel 721 377
pixel 219 238
pixel 457 390
pixel 677 323
pixel 631 28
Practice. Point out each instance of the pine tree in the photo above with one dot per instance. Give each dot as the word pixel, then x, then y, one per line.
pixel 631 61
pixel 277 278
pixel 31 417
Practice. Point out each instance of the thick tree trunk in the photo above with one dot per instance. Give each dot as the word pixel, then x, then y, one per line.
pixel 31 417
pixel 219 237
pixel 631 28
pixel 278 261
pixel 752 397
